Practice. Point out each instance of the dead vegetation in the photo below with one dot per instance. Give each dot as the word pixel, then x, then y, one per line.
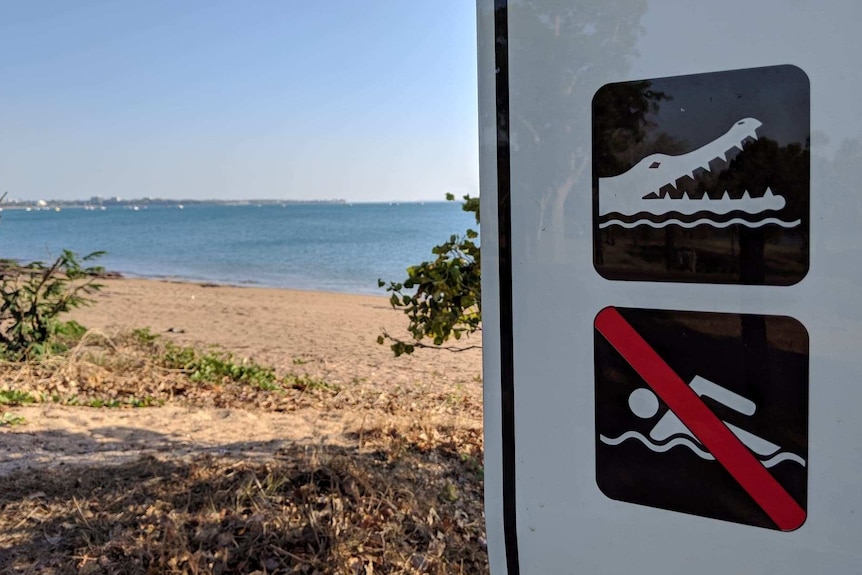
pixel 138 369
pixel 401 498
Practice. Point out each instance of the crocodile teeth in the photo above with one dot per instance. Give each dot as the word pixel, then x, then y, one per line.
pixel 688 196
pixel 705 166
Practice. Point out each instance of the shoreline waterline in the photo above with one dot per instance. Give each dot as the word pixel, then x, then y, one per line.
pixel 248 284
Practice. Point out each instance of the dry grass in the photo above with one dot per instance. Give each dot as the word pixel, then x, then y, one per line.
pixel 406 504
pixel 134 370
pixel 406 498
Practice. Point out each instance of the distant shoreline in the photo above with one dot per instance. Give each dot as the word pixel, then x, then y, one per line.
pixel 144 203
pixel 152 202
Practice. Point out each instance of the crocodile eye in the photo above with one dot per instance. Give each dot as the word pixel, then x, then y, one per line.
pixel 741 122
pixel 655 165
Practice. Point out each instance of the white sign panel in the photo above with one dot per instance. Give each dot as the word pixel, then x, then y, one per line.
pixel 671 241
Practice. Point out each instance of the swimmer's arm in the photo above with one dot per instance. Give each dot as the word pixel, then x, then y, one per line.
pixel 704 387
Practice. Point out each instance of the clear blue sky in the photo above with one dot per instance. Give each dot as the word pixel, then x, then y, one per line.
pixel 294 99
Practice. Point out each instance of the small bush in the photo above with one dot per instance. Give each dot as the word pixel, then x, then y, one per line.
pixel 35 295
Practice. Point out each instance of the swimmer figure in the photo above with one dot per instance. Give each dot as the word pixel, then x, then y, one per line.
pixel 644 404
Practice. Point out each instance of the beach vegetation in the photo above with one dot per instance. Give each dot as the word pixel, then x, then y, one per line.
pixel 441 297
pixel 308 383
pixel 8 419
pixel 216 366
pixel 15 397
pixel 135 369
pixel 144 336
pixel 114 403
pixel 34 296
pixel 212 366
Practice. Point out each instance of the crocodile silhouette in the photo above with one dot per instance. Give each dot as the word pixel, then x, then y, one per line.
pixel 639 190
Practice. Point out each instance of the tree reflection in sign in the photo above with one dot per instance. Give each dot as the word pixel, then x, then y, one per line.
pixel 559 49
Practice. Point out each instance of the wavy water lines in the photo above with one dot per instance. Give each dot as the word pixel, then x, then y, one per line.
pixel 699 222
pixel 679 440
pixel 782 456
pixel 682 441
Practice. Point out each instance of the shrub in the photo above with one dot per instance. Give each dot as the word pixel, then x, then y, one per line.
pixel 441 297
pixel 33 298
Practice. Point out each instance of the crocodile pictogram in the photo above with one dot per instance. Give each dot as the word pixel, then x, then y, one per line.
pixel 643 189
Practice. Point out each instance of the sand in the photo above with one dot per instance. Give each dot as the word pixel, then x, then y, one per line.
pixel 325 335
pixel 329 335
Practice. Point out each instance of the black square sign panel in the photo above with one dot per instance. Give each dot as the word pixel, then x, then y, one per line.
pixel 703 178
pixel 704 413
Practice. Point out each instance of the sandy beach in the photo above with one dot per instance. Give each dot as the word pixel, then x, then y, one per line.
pixel 328 336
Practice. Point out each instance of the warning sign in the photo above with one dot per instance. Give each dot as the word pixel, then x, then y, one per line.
pixel 703 178
pixel 704 413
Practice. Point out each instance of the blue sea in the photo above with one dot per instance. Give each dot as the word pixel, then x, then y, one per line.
pixel 330 247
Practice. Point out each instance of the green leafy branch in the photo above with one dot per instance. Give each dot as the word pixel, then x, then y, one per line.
pixel 441 297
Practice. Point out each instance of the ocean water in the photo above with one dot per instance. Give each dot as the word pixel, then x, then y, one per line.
pixel 330 247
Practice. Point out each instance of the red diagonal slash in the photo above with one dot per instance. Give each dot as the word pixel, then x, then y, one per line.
pixel 703 423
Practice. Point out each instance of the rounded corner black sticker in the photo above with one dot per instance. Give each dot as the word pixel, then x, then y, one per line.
pixel 703 178
pixel 704 413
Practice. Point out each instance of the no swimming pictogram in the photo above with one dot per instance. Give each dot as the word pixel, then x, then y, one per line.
pixel 703 413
